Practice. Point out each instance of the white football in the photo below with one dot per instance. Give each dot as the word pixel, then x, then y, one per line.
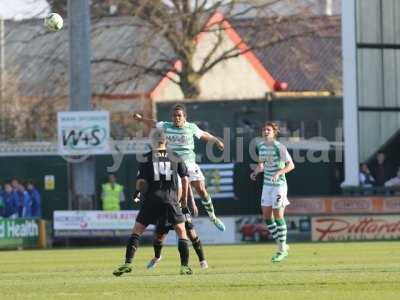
pixel 53 22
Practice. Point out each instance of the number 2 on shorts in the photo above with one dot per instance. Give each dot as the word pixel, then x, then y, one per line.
pixel 278 199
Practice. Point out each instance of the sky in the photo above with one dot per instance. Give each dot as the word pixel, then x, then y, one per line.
pixel 23 9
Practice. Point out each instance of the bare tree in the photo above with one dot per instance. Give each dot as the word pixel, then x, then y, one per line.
pixel 28 117
pixel 172 28
pixel 181 22
pixel 155 39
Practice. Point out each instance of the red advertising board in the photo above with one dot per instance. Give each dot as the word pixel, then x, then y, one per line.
pixel 347 228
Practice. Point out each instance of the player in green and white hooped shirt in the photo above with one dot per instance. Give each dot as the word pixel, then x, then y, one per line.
pixel 275 161
pixel 180 135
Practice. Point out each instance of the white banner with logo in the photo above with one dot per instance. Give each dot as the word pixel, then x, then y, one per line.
pixel 94 223
pixel 94 219
pixel 120 223
pixel 348 228
pixel 83 132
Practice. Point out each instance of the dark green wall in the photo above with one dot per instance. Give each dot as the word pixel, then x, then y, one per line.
pixel 36 168
pixel 233 113
pixel 321 178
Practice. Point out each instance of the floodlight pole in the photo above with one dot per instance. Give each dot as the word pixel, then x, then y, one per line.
pixel 81 175
pixel 2 76
pixel 350 102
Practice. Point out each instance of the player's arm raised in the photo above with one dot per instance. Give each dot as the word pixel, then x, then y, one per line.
pixel 208 137
pixel 139 118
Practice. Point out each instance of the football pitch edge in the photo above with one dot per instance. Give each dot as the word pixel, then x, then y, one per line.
pixel 351 270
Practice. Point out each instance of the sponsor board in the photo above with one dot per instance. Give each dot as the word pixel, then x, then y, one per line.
pixel 18 233
pixel 352 205
pixel 94 223
pixel 348 228
pixel 306 206
pixel 344 205
pixel 252 228
pixel 83 132
pixel 391 205
pixel 94 219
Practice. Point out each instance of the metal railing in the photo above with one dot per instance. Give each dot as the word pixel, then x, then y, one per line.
pixel 131 146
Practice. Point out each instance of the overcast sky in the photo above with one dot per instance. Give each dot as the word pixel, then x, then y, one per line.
pixel 23 9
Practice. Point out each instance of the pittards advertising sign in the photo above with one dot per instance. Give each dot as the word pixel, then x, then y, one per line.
pixel 351 228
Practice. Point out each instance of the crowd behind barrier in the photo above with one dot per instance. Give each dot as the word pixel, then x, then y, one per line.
pixel 20 199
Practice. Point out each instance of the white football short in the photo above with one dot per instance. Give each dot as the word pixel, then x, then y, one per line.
pixel 275 196
pixel 194 171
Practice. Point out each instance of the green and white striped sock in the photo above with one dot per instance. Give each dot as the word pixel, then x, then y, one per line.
pixel 272 228
pixel 207 203
pixel 282 233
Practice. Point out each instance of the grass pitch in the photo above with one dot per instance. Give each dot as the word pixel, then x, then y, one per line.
pixel 312 271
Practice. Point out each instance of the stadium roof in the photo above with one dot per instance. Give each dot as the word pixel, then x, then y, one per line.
pixel 306 55
pixel 38 61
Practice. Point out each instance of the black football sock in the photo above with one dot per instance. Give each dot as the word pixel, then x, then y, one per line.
pixel 183 247
pixel 198 247
pixel 133 244
pixel 157 245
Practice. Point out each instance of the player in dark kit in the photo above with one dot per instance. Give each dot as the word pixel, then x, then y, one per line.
pixel 157 181
pixel 163 229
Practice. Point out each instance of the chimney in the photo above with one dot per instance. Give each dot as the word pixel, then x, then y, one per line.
pixel 113 9
pixel 329 7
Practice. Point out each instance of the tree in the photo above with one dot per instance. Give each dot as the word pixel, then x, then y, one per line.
pixel 156 35
pixel 181 22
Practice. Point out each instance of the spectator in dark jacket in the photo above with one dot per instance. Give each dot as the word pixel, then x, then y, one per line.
pixel 36 210
pixel 26 201
pixel 2 205
pixel 381 169
pixel 10 201
pixel 18 196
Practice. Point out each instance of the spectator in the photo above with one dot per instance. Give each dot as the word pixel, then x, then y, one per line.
pixel 26 202
pixel 10 201
pixel 380 169
pixel 112 194
pixel 395 181
pixel 19 197
pixel 36 210
pixel 2 205
pixel 365 177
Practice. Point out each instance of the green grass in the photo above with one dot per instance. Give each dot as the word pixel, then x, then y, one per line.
pixel 312 271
